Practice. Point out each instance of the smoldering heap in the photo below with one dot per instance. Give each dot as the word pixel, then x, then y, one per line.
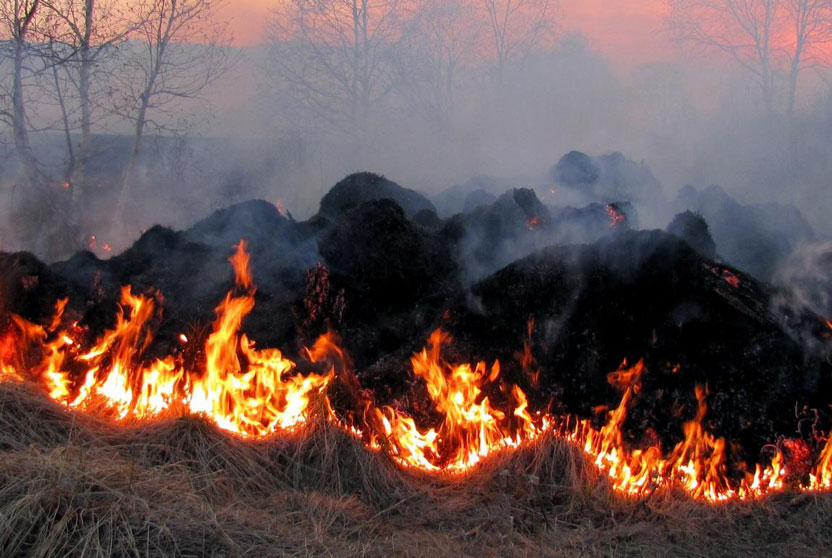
pixel 378 267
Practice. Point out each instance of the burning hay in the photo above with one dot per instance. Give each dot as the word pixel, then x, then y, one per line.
pixel 259 393
pixel 75 485
pixel 513 400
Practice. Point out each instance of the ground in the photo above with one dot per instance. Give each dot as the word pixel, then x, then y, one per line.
pixel 73 485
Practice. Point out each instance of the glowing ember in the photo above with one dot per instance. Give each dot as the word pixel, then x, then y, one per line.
pixel 257 393
pixel 731 279
pixel 280 208
pixel 532 223
pixel 617 217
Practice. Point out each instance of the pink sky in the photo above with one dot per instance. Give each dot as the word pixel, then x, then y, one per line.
pixel 624 30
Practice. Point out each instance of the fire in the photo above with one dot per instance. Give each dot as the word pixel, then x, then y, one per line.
pixel 471 427
pixel 280 207
pixel 617 217
pixel 252 400
pixel 255 393
pixel 821 475
pixel 697 464
pixel 731 278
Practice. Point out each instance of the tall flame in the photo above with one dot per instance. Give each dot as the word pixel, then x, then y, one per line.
pixel 254 399
pixel 255 393
pixel 471 427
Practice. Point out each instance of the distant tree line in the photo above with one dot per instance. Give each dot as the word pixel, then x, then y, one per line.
pixel 74 67
pixel 774 40
pixel 344 61
pixel 67 66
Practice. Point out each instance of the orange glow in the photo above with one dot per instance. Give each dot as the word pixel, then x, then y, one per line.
pixel 697 464
pixel 255 393
pixel 821 475
pixel 471 427
pixel 254 401
pixel 628 31
pixel 617 217
pixel 731 278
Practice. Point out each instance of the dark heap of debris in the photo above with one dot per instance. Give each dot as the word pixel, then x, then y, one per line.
pixel 606 178
pixel 377 266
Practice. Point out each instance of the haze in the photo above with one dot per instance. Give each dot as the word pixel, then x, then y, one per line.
pixel 279 123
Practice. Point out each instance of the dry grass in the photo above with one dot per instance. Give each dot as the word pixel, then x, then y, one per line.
pixel 71 485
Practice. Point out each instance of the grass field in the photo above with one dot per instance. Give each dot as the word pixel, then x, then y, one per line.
pixel 72 485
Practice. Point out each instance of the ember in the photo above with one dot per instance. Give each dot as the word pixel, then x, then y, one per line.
pixel 617 217
pixel 731 279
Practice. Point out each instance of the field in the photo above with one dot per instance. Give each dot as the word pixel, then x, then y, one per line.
pixel 73 485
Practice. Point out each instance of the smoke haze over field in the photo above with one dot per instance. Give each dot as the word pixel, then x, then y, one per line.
pixel 692 121
pixel 442 108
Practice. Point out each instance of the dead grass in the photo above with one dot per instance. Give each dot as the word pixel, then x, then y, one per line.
pixel 72 485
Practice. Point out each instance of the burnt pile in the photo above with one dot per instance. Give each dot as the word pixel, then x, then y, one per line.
pixel 379 268
pixel 756 238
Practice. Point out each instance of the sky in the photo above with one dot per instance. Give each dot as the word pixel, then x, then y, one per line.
pixel 623 30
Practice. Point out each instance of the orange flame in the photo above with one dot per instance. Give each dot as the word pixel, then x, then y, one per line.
pixel 251 400
pixel 617 217
pixel 471 427
pixel 257 393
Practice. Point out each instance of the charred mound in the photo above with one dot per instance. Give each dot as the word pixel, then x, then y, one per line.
pixel 693 229
pixel 189 269
pixel 365 186
pixel 518 223
pixel 494 235
pixel 648 295
pixel 606 178
pixel 756 238
pixel 384 281
pixel 394 276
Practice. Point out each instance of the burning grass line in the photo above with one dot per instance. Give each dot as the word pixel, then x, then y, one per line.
pixel 479 523
pixel 259 396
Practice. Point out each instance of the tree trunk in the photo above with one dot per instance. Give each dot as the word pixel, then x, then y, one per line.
pixel 131 164
pixel 793 77
pixel 21 134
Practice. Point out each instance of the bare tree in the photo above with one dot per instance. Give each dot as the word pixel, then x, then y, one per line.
pixel 743 29
pixel 335 56
pixel 81 34
pixel 516 27
pixel 811 24
pixel 179 50
pixel 762 36
pixel 435 43
pixel 19 17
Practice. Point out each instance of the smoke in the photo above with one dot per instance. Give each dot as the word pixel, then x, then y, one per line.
pixel 687 120
pixel 808 274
